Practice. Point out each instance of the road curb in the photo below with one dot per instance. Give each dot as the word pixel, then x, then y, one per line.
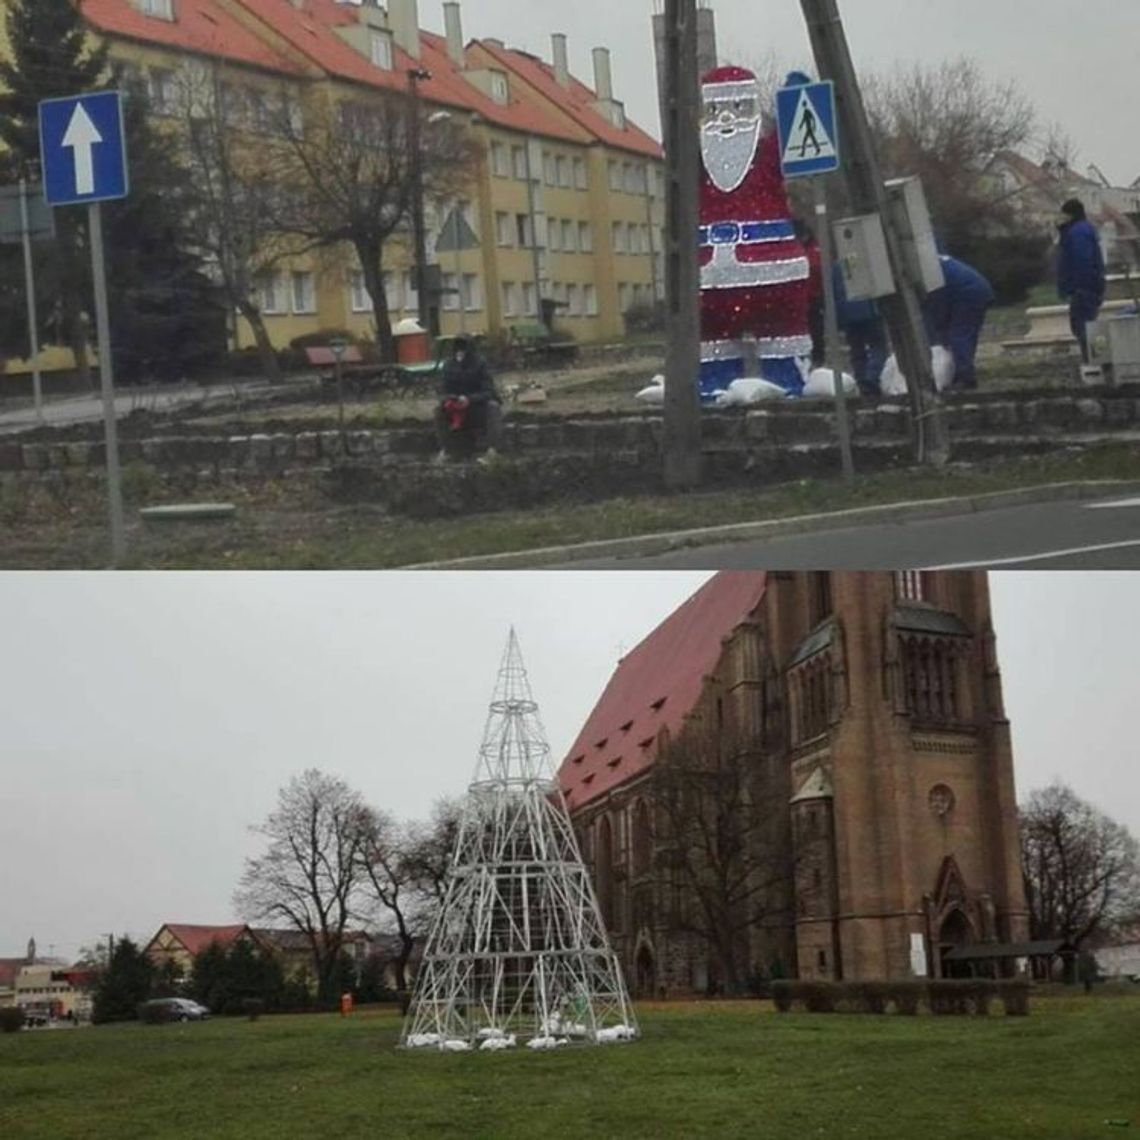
pixel 641 546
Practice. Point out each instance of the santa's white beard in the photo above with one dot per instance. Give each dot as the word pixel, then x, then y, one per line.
pixel 728 158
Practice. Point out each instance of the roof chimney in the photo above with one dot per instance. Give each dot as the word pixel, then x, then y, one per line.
pixel 561 59
pixel 603 77
pixel 404 20
pixel 453 23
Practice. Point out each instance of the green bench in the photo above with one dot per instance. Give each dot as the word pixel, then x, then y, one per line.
pixel 533 339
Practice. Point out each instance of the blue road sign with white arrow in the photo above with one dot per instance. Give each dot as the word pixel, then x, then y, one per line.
pixel 83 149
pixel 809 134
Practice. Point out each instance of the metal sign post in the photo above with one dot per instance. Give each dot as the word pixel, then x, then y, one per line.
pixel 84 156
pixel 831 334
pixel 30 285
pixel 809 147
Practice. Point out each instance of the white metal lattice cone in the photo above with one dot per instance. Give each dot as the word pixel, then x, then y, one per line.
pixel 518 952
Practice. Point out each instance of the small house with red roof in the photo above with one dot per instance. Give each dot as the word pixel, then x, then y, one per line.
pixel 804 774
pixel 178 943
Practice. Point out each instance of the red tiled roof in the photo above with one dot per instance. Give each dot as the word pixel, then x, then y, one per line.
pixel 575 101
pixel 312 31
pixel 197 938
pixel 202 26
pixel 655 686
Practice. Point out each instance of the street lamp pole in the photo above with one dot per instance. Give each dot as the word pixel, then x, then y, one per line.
pixel 419 226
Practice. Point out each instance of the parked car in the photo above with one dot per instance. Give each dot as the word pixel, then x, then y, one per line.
pixel 172 1009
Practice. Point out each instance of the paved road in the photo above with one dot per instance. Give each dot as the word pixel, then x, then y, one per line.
pixel 61 412
pixel 1098 535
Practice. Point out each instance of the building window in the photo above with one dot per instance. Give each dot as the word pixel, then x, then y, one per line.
pixel 304 294
pixel 562 167
pixel 524 231
pixel 159 9
pixel 819 601
pixel 271 294
pixel 573 300
pixel 909 586
pixel 510 299
pixel 623 297
pixel 361 302
pixel 500 161
pixel 549 175
pixel 411 293
pixel 381 49
pixel 615 177
pixel 629 178
pixel 530 299
pixel 518 162
pixel 812 688
pixel 581 181
pixel 504 235
pixel 450 292
pixel 585 237
pixel 552 235
pixel 500 89
pixel 619 236
pixel 930 669
pixel 162 91
pixel 822 959
pixel 590 300
pixel 568 232
pixel 471 293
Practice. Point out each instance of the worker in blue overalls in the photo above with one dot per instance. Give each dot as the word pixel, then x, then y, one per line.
pixel 955 315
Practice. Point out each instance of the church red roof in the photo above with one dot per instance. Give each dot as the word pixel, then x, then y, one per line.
pixel 655 686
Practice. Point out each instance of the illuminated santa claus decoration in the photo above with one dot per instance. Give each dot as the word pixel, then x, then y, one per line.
pixel 754 273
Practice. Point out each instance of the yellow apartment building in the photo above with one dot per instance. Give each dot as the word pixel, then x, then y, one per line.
pixel 565 212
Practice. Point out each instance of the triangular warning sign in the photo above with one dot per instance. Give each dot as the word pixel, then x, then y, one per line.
pixel 808 139
pixel 456 235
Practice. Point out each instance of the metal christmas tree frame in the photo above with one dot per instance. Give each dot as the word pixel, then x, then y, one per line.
pixel 518 952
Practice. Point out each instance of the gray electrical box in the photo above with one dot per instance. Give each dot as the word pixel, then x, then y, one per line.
pixel 861 253
pixel 911 219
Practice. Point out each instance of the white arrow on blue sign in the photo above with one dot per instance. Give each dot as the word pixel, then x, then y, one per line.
pixel 809 135
pixel 83 149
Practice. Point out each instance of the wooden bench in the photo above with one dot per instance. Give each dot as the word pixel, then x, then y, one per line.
pixel 533 339
pixel 358 377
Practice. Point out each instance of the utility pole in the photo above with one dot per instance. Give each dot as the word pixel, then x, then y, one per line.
pixel 419 225
pixel 682 435
pixel 902 311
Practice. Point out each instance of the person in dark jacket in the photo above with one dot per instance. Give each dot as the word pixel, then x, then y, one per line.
pixel 955 315
pixel 866 336
pixel 469 406
pixel 1080 271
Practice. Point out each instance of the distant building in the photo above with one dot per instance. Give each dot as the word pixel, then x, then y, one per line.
pixel 178 944
pixel 867 712
pixel 1119 957
pixel 45 987
pixel 1037 190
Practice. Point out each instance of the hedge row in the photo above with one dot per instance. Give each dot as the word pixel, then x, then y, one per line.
pixel 954 997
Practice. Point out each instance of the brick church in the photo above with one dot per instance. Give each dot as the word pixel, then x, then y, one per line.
pixel 864 819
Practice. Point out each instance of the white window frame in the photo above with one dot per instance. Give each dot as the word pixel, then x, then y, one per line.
pixel 574 300
pixel 358 298
pixel 529 299
pixel 471 292
pixel 590 300
pixel 304 302
pixel 159 9
pixel 500 88
pixel 380 50
pixel 585 237
pixel 619 235
pixel 569 233
pixel 510 299
pixel 500 160
pixel 581 177
pixel 504 230
pixel 273 295
pixel 519 163
pixel 450 302
pixel 552 236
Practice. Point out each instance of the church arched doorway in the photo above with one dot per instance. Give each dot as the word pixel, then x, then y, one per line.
pixel 645 972
pixel 955 931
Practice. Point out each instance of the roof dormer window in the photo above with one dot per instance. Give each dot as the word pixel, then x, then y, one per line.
pixel 500 89
pixel 381 47
pixel 159 9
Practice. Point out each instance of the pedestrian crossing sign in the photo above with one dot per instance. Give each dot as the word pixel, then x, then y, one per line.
pixel 809 136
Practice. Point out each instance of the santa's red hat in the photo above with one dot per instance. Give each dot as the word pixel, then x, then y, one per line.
pixel 728 75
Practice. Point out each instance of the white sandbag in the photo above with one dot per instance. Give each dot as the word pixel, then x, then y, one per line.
pixel 893 382
pixel 546 1042
pixel 422 1040
pixel 655 393
pixel 494 1044
pixel 750 390
pixel 455 1046
pixel 821 383
pixel 615 1033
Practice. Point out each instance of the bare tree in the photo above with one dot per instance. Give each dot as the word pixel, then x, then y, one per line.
pixel 1082 870
pixel 230 137
pixel 310 875
pixel 352 171
pixel 430 848
pixel 721 844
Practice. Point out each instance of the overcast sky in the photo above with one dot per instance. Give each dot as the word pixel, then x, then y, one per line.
pixel 1076 61
pixel 148 720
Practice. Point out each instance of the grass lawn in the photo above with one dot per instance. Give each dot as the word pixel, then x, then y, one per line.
pixel 725 1070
